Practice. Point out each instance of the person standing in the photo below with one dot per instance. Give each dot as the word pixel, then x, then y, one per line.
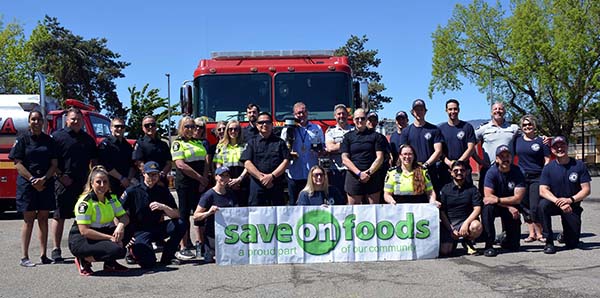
pixel 228 154
pixel 533 154
pixel 333 142
pixel 114 153
pixel 362 154
pixel 35 158
pixel 427 141
pixel 251 130
pixel 372 123
pixel 504 190
pixel 266 157
pixel 76 152
pixel 564 183
pixel 308 144
pixel 401 123
pixel 459 143
pixel 151 147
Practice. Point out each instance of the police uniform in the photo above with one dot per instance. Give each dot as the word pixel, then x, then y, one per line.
pixel 115 154
pixel 35 153
pixel 75 151
pixel 400 184
pixel 491 137
pixel 100 217
pixel 337 172
pixel 456 141
pixel 532 156
pixel 193 153
pixel 152 149
pixel 266 154
pixel 148 226
pixel 423 138
pixel 308 141
pixel 503 185
pixel 229 156
pixel 361 146
pixel 564 181
pixel 249 132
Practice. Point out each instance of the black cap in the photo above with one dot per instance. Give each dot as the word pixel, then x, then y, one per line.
pixel 419 102
pixel 401 114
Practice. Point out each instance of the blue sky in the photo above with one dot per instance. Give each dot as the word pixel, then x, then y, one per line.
pixel 172 36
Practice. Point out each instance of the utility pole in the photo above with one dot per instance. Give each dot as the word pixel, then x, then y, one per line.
pixel 169 106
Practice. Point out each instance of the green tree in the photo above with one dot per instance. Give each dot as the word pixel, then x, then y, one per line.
pixel 147 102
pixel 76 67
pixel 363 64
pixel 16 68
pixel 543 58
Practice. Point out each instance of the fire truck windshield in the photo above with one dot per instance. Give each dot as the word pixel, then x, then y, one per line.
pixel 101 126
pixel 320 91
pixel 225 97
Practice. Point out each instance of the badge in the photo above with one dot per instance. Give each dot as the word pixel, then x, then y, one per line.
pixel 176 146
pixel 427 136
pixel 460 135
pixel 535 147
pixel 511 185
pixel 573 177
pixel 330 201
pixel 82 207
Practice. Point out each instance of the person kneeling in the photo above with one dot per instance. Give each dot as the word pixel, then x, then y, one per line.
pixel 460 208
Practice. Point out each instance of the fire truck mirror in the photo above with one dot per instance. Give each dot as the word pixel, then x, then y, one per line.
pixel 186 99
pixel 364 94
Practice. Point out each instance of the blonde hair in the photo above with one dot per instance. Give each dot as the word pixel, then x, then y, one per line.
pixel 226 139
pixel 529 118
pixel 310 187
pixel 180 129
pixel 202 122
pixel 96 170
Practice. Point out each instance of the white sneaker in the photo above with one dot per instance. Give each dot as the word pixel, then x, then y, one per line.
pixel 26 262
pixel 185 254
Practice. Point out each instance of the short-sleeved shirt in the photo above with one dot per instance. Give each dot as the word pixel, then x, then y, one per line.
pixel 457 138
pixel 458 202
pixel 75 151
pixel 152 149
pixel 362 147
pixel 565 180
pixel 229 155
pixel 422 138
pixel 492 136
pixel 35 152
pixel 504 184
pixel 98 215
pixel 266 153
pixel 193 153
pixel 400 183
pixel 212 198
pixel 395 144
pixel 136 201
pixel 336 134
pixel 249 132
pixel 531 154
pixel 115 154
pixel 305 138
pixel 333 197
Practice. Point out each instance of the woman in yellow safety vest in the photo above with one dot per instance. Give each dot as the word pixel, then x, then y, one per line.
pixel 228 153
pixel 408 182
pixel 189 155
pixel 94 235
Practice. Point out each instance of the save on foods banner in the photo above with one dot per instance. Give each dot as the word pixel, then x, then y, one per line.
pixel 315 234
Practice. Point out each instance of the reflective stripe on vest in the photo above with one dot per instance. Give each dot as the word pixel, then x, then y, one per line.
pixel 190 151
pixel 230 155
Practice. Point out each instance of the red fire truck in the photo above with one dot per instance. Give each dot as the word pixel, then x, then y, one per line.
pixel 14 110
pixel 274 80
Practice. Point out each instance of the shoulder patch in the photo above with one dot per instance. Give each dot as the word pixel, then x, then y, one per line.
pixel 83 206
pixel 176 146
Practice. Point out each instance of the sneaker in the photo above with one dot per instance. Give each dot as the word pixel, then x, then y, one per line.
pixel 129 257
pixel 25 262
pixel 113 266
pixel 84 267
pixel 469 246
pixel 185 254
pixel 490 252
pixel 175 262
pixel 549 249
pixel 500 238
pixel 46 260
pixel 57 255
pixel 560 238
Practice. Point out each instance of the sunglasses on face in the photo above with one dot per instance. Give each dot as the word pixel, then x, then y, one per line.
pixel 526 124
pixel 360 119
pixel 119 126
pixel 263 122
pixel 318 174
pixel 150 125
pixel 199 127
pixel 456 171
pixel 189 126
pixel 221 129
pixel 232 129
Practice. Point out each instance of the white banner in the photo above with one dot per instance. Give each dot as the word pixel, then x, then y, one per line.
pixel 315 234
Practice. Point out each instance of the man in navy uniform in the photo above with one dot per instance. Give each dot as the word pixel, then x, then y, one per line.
pixel 459 139
pixel 564 183
pixel 504 188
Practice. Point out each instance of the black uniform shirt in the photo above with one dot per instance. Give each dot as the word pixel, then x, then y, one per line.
pixel 458 202
pixel 249 132
pixel 266 153
pixel 115 154
pixel 75 150
pixel 136 201
pixel 35 152
pixel 361 146
pixel 152 149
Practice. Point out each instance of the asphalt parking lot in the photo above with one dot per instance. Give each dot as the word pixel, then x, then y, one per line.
pixel 527 273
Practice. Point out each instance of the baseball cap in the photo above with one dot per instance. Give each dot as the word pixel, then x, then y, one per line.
pixel 502 148
pixel 373 115
pixel 559 139
pixel 401 114
pixel 419 102
pixel 151 167
pixel 221 170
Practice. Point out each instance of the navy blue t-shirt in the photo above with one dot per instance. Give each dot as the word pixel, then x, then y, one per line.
pixel 395 144
pixel 458 202
pixel 422 139
pixel 457 138
pixel 565 180
pixel 504 184
pixel 210 198
pixel 334 197
pixel 531 154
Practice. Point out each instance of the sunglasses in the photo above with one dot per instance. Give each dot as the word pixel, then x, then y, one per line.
pixel 119 126
pixel 318 174
pixel 263 122
pixel 526 124
pixel 234 128
pixel 150 125
pixel 360 119
pixel 221 129
pixel 189 126
pixel 456 171
pixel 199 126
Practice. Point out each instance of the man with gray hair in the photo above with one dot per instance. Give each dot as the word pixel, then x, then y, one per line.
pixel 333 141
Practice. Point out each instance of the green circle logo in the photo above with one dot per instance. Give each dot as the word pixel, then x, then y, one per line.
pixel 318 232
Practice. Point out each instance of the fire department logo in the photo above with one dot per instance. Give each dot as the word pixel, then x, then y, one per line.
pixel 82 207
pixel 511 185
pixel 535 147
pixel 460 135
pixel 427 136
pixel 573 177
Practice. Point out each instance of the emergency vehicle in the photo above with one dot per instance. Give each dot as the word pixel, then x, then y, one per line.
pixel 14 110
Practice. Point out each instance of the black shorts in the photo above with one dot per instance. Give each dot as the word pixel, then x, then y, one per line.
pixel 353 186
pixel 65 202
pixel 446 236
pixel 29 199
